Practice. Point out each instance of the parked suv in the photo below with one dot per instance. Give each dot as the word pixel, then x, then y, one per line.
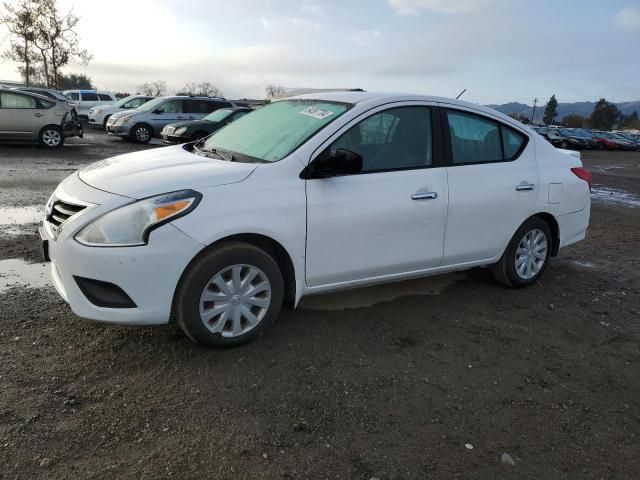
pixel 98 116
pixel 306 195
pixel 148 120
pixel 85 99
pixel 27 117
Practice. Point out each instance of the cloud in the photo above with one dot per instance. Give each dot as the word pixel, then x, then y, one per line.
pixel 629 17
pixel 415 7
pixel 266 24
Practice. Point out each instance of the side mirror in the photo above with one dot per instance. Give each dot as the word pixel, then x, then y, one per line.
pixel 342 162
pixel 126 106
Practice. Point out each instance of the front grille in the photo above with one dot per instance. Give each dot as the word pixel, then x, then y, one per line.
pixel 61 212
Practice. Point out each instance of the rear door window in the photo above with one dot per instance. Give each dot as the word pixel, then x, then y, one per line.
pixel 90 97
pixel 478 139
pixel 105 98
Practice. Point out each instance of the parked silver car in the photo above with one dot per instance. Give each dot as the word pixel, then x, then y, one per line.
pixel 147 121
pixel 98 116
pixel 28 117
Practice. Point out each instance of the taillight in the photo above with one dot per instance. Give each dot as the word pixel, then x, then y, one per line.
pixel 583 174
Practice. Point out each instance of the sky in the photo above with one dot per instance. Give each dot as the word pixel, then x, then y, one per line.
pixel 499 50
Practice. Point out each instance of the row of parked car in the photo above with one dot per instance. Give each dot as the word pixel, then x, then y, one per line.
pixel 48 116
pixel 586 139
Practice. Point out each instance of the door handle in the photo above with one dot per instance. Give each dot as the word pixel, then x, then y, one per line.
pixel 424 196
pixel 38 114
pixel 525 186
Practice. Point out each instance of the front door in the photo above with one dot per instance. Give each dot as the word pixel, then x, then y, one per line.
pixel 389 219
pixel 170 111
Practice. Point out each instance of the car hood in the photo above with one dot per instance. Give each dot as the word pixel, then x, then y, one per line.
pixel 151 172
pixel 125 111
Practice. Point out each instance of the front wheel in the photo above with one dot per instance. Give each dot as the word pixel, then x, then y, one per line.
pixel 51 137
pixel 526 256
pixel 229 296
pixel 141 133
pixel 564 145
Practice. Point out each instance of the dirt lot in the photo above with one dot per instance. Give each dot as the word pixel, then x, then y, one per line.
pixel 429 379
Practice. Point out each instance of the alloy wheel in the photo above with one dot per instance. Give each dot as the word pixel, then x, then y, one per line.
pixel 531 254
pixel 51 138
pixel 235 300
pixel 142 134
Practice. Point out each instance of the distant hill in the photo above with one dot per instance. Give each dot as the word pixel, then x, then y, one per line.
pixel 580 108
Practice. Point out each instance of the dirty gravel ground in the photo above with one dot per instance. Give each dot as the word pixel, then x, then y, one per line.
pixel 390 383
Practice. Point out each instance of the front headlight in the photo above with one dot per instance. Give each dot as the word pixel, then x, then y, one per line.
pixel 123 120
pixel 130 225
pixel 180 131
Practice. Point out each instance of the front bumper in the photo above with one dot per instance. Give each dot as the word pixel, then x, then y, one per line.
pixel 173 139
pixel 148 274
pixel 118 130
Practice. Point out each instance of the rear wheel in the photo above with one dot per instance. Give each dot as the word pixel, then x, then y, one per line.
pixel 141 133
pixel 526 256
pixel 51 137
pixel 229 296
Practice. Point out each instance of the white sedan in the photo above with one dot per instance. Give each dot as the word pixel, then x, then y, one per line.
pixel 307 195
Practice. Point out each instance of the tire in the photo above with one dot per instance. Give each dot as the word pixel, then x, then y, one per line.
pixel 508 270
pixel 104 122
pixel 141 133
pixel 208 314
pixel 564 145
pixel 51 137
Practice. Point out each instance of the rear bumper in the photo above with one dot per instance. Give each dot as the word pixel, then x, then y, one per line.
pixel 72 128
pixel 573 226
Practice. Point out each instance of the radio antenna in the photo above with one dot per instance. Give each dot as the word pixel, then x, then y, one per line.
pixel 461 93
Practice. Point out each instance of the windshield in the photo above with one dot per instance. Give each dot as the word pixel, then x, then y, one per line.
pixel 151 104
pixel 124 100
pixel 273 132
pixel 218 115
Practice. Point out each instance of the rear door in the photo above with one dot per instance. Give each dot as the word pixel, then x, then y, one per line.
pixel 20 116
pixel 493 182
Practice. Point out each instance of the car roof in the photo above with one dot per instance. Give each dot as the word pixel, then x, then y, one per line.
pixel 380 98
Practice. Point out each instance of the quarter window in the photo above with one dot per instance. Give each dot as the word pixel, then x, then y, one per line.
pixel 12 100
pixel 398 138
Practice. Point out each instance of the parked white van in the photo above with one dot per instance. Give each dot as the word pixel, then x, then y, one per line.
pixel 85 99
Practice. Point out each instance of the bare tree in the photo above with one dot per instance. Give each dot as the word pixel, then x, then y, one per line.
pixel 20 20
pixel 205 89
pixel 274 90
pixel 58 40
pixel 156 88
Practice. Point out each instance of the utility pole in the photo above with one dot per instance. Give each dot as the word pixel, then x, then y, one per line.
pixel 533 111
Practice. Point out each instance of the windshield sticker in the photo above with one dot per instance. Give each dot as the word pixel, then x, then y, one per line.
pixel 316 113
